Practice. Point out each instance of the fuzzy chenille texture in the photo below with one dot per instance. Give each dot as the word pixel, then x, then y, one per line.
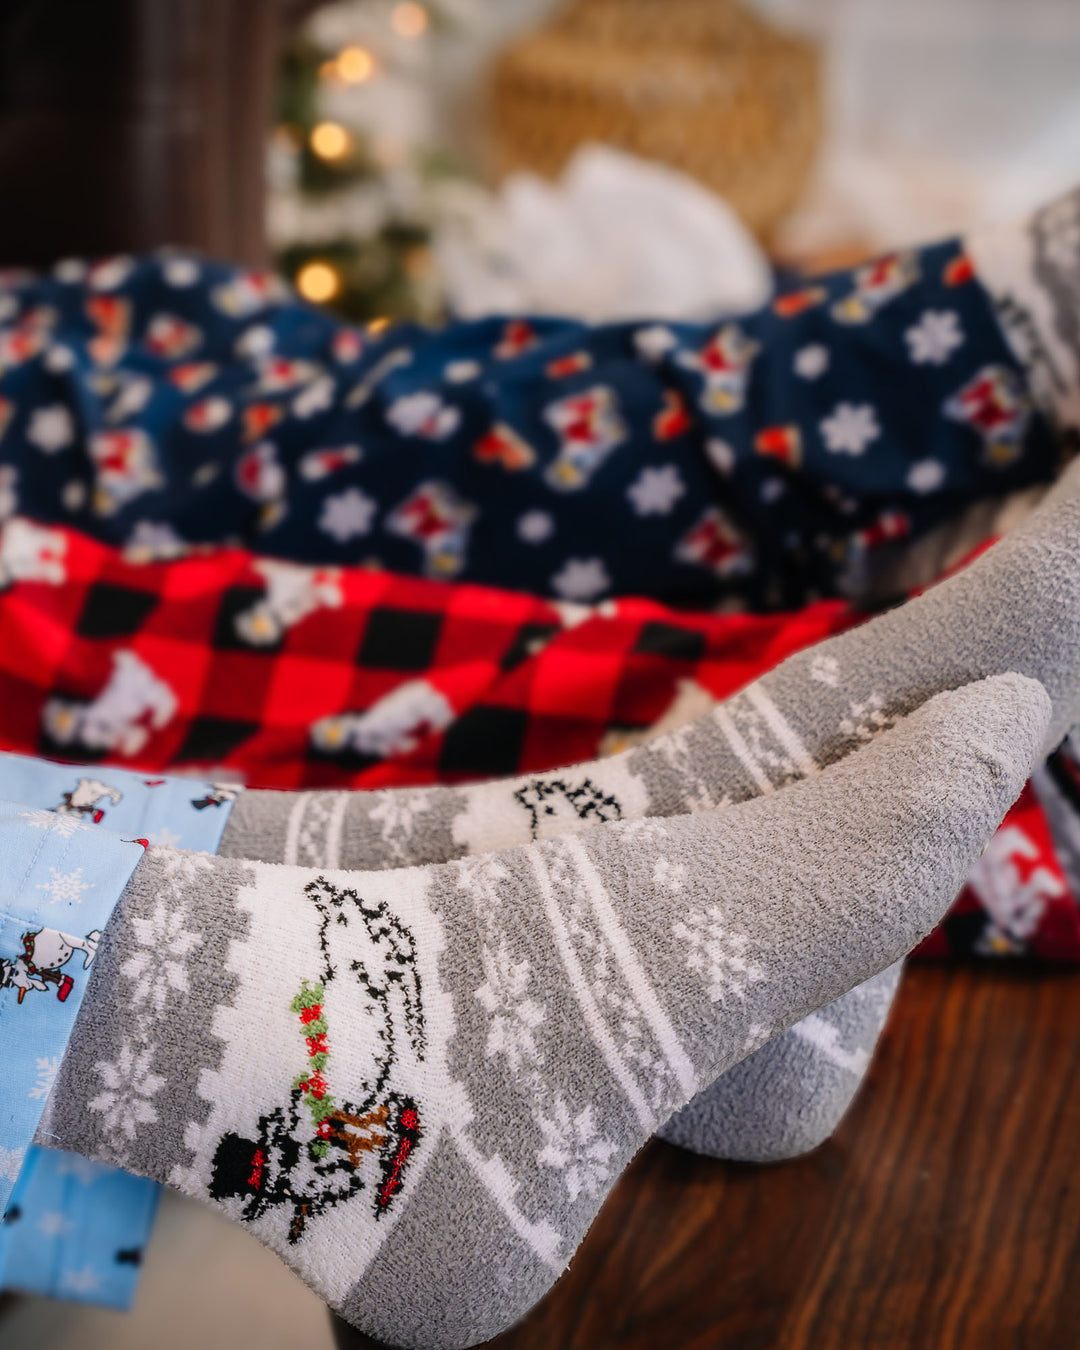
pixel 417 1086
pixel 1016 608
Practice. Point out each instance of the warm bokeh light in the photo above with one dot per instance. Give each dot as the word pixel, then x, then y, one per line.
pixel 354 65
pixel 330 140
pixel 379 325
pixel 318 282
pixel 409 19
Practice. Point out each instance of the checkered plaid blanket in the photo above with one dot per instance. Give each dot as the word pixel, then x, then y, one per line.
pixel 298 677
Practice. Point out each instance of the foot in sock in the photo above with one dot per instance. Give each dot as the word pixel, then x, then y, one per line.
pixel 417 1086
pixel 1018 607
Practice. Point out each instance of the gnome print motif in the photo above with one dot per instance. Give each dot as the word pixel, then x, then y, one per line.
pixel 331 1138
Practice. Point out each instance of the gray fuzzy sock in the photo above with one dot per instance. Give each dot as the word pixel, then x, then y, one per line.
pixel 417 1086
pixel 1017 608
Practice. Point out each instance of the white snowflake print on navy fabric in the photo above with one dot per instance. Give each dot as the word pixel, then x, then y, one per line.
pixel 850 428
pixel 65 887
pixel 655 491
pixel 772 490
pixel 574 1146
pixel 581 579
pixel 73 495
pixel 935 337
pixel 423 414
pixel 51 428
pixel 926 475
pixel 46 1067
pixel 58 358
pixel 654 342
pixel 514 1016
pixel 159 964
pixel 11 1161
pixel 460 372
pixel 536 526
pixel 258 340
pixel 316 398
pixel 721 956
pixel 180 272
pixel 347 515
pixel 130 1084
pixel 721 455
pixel 811 361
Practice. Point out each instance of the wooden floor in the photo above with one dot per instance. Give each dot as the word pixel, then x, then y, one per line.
pixel 944 1214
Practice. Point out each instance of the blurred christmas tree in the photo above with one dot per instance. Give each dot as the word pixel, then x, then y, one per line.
pixel 358 155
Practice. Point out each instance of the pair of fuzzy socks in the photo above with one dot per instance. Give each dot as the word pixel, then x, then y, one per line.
pixel 1017 608
pixel 418 1085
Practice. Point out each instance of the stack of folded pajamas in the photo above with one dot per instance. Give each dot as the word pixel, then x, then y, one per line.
pixel 170 408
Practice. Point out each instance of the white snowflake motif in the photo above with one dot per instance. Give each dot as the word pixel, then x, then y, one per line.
pixel 129 1085
pixel 65 888
pixel 423 414
pixel 51 428
pixel 654 343
pixel 46 1068
pixel 850 428
pixel 64 826
pixel 83 1170
pixel 722 956
pixel 535 526
pixel 721 455
pixel 574 1146
pixel 460 372
pixel 935 337
pixel 11 1161
pixel 54 1224
pixel 514 1017
pixel 581 579
pixel 82 1281
pixel 926 475
pixel 811 361
pixel 772 490
pixel 58 359
pixel 180 272
pixel 73 495
pixel 825 670
pixel 316 398
pixel 164 838
pixel 669 876
pixel 347 515
pixel 867 719
pixel 397 813
pixel 160 962
pixel 655 491
pixel 258 340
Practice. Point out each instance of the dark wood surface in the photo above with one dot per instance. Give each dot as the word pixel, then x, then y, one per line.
pixel 945 1213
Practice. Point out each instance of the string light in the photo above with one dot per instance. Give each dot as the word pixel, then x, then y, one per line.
pixel 354 65
pixel 409 19
pixel 318 282
pixel 330 140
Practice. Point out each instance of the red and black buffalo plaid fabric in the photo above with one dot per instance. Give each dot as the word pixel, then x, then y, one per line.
pixel 296 677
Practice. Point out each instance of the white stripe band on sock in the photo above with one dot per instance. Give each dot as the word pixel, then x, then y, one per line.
pixel 496 1180
pixel 333 830
pixel 292 829
pixel 644 993
pixel 742 750
pixel 587 1003
pixel 781 729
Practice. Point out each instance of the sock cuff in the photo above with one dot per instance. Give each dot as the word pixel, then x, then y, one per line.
pixel 1031 269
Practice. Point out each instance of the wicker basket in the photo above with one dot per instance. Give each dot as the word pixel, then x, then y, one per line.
pixel 704 85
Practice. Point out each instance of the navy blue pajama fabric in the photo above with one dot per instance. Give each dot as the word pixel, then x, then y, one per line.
pixel 168 401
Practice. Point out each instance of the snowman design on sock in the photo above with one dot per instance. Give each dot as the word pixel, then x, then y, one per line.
pixel 318 1149
pixel 85 799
